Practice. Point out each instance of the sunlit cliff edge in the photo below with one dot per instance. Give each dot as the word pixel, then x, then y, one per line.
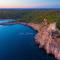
pixel 48 37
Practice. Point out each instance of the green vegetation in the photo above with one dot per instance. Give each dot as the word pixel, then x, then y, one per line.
pixel 32 15
pixel 58 24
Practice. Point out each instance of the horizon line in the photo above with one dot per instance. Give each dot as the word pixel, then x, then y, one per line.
pixel 30 8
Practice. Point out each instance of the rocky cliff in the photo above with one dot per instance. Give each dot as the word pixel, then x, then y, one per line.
pixel 48 37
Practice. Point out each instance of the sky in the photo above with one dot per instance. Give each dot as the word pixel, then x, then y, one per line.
pixel 29 3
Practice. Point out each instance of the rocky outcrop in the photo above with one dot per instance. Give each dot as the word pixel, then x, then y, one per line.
pixel 47 37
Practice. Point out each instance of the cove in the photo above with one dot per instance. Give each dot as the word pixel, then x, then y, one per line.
pixel 17 43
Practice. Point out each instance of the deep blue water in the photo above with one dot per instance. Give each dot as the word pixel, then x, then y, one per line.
pixel 17 43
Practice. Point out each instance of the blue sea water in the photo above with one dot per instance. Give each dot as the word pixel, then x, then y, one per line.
pixel 17 43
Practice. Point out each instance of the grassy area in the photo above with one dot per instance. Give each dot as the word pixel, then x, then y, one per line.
pixel 32 15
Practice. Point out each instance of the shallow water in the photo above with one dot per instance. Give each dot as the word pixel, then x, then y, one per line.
pixel 6 20
pixel 17 43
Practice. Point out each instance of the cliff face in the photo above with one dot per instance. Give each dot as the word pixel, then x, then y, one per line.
pixel 47 37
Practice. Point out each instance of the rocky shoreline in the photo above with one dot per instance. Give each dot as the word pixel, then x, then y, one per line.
pixel 46 38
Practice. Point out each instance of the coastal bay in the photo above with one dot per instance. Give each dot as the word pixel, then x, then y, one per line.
pixel 17 41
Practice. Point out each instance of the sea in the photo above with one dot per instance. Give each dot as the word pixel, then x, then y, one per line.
pixel 17 42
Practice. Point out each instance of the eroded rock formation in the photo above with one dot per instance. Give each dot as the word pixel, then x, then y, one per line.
pixel 48 37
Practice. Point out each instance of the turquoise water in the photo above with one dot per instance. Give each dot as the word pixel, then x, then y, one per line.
pixel 6 20
pixel 17 43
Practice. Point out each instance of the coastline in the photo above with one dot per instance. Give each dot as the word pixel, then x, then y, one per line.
pixel 43 38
